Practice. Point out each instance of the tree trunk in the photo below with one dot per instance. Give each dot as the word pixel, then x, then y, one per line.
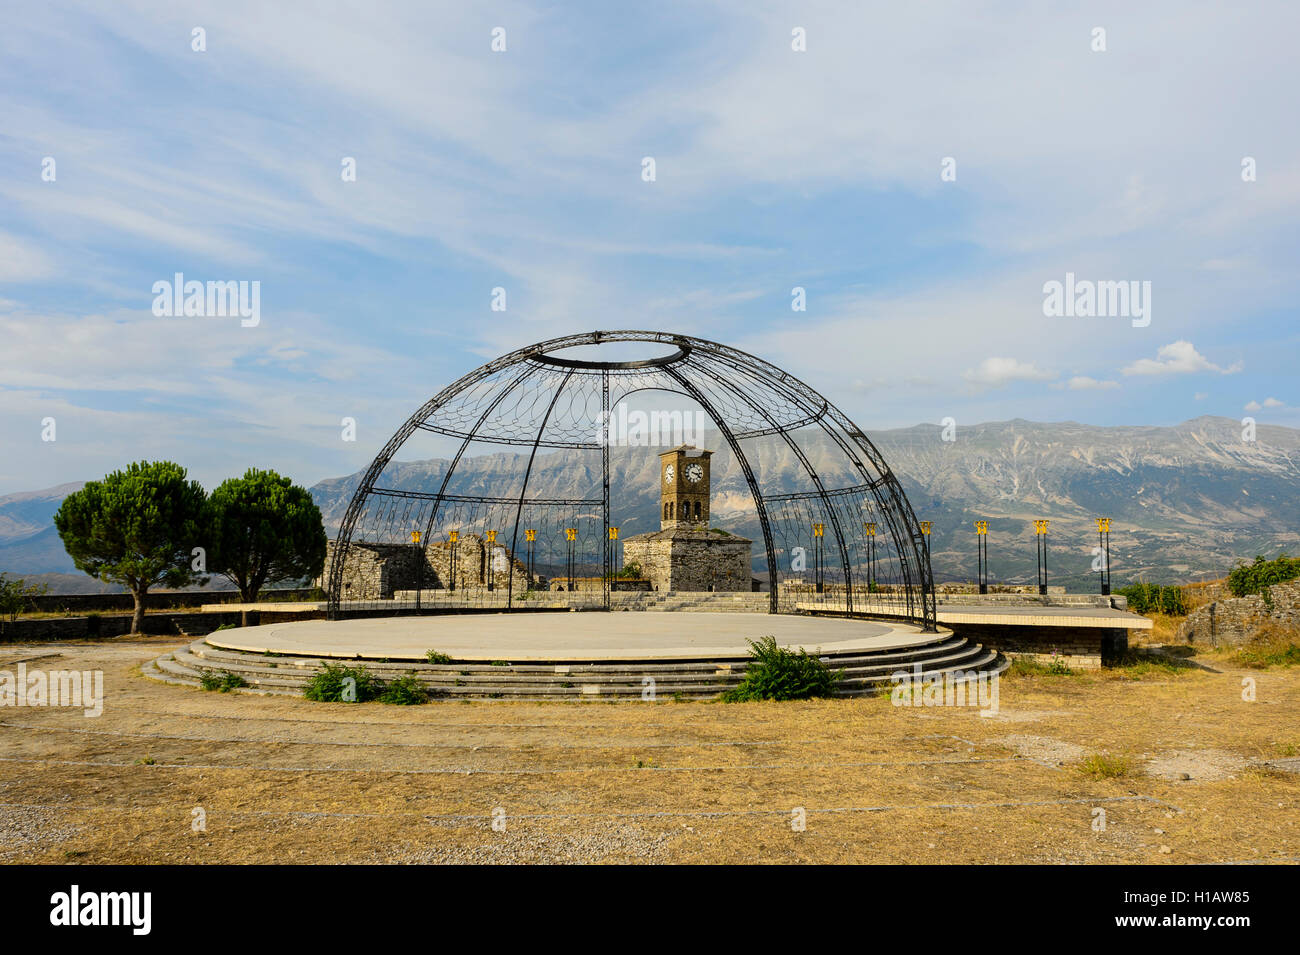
pixel 248 618
pixel 137 618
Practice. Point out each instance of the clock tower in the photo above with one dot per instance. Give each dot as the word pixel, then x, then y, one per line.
pixel 684 488
pixel 685 554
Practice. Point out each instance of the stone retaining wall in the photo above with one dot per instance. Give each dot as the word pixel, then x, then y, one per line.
pixel 1233 621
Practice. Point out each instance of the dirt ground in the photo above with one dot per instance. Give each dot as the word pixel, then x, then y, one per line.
pixel 170 774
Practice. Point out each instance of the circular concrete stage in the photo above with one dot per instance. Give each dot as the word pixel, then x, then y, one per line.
pixel 568 637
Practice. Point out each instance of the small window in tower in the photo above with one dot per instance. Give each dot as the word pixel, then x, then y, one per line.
pixel 697 510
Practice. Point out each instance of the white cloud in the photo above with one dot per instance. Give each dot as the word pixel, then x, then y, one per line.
pixel 997 372
pixel 1268 403
pixel 1178 358
pixel 1084 383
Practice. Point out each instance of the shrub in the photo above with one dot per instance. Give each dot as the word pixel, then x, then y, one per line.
pixel 221 682
pixel 327 685
pixel 1104 766
pixel 775 673
pixel 1155 598
pixel 1256 578
pixel 433 656
pixel 1028 666
pixel 404 691
pixel 16 594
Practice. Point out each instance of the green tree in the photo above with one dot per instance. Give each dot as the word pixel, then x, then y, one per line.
pixel 261 529
pixel 15 594
pixel 136 528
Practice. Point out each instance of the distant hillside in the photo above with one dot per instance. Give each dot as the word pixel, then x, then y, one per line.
pixel 1187 501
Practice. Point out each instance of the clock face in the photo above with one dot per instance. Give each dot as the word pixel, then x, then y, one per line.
pixel 670 472
pixel 694 473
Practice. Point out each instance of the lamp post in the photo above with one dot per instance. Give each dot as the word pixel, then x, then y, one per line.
pixel 870 529
pixel 419 567
pixel 570 536
pixel 452 537
pixel 925 535
pixel 1040 536
pixel 489 550
pixel 1103 536
pixel 819 531
pixel 982 553
pixel 530 538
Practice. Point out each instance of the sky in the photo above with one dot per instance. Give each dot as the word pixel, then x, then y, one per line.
pixel 921 171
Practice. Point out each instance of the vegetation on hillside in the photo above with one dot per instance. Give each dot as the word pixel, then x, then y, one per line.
pixel 1255 578
pixel 1147 598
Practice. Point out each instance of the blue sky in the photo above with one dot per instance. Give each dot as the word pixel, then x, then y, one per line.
pixel 522 169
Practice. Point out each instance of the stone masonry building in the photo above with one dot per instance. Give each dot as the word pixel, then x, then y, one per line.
pixel 685 553
pixel 377 571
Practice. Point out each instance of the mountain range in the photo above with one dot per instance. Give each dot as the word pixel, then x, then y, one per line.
pixel 1187 502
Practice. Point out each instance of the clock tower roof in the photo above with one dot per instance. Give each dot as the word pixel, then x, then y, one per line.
pixel 690 450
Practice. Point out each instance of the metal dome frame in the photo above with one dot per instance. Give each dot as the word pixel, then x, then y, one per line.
pixel 700 370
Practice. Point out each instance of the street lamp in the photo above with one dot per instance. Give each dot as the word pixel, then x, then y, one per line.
pixel 1103 536
pixel 1040 536
pixel 570 537
pixel 613 550
pixel 452 537
pixel 819 532
pixel 982 553
pixel 870 529
pixel 419 567
pixel 925 535
pixel 490 537
pixel 530 538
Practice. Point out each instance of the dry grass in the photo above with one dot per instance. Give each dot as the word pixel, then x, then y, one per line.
pixel 285 780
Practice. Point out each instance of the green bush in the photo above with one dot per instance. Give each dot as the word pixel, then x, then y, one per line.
pixel 16 594
pixel 328 684
pixel 433 656
pixel 1257 577
pixel 404 691
pixel 775 673
pixel 221 682
pixel 1154 598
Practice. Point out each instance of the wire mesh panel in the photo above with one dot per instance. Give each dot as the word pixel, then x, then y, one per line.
pixel 525 510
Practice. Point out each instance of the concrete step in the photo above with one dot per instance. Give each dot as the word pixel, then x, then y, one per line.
pixel 864 673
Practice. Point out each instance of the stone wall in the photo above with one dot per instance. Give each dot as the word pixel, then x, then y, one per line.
pixel 376 571
pixel 691 560
pixel 1079 648
pixel 1233 620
